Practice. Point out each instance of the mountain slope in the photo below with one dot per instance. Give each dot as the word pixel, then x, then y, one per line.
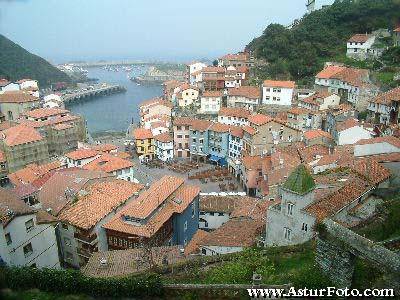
pixel 17 63
pixel 299 52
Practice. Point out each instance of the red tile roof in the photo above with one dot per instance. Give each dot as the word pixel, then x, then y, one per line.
pixel 249 130
pixel 219 127
pixel 251 92
pixel 164 138
pixel 314 134
pixel 384 139
pixel 253 162
pixel 21 134
pixel 353 76
pixel 142 134
pixel 201 125
pixel 349 123
pixel 397 29
pixel 278 83
pixel 82 154
pixel 32 172
pixel 108 163
pixel 259 119
pixel 234 112
pixel 45 112
pixel 193 246
pixel 17 97
pixel 359 38
pixel 387 98
pixel 236 57
pixel 105 147
pixel 183 121
pixel 98 200
pixel 212 94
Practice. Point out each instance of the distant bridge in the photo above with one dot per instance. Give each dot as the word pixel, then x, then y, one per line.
pixel 112 63
pixel 82 94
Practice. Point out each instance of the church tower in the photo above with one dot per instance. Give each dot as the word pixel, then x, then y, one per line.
pixel 310 4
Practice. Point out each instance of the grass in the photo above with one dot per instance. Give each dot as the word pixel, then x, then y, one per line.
pixel 387 225
pixel 38 295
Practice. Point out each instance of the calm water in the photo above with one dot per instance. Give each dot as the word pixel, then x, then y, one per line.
pixel 114 112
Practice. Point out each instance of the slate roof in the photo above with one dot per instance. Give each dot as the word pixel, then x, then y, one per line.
pixel 300 181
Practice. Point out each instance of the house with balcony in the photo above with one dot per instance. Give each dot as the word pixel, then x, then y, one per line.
pixel 181 129
pixel 27 235
pixel 351 84
pixel 218 143
pixel 278 92
pixel 212 78
pixel 247 97
pixel 235 149
pixel 384 108
pixel 81 157
pixel 165 214
pixel 233 116
pixel 81 231
pixel 241 59
pixel 164 147
pixel 199 140
pixel 193 68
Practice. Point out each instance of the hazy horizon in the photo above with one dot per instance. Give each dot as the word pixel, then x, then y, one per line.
pixel 61 30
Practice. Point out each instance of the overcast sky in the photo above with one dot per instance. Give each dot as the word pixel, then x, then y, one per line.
pixel 62 30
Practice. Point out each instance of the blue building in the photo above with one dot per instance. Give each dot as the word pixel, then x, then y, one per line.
pixel 198 140
pixel 218 143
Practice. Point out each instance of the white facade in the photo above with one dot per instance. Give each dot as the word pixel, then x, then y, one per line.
pixel 80 162
pixel 277 95
pixel 29 85
pixel 11 87
pixel 28 243
pixel 189 96
pixel 362 50
pixel 250 104
pixel 352 135
pixel 126 174
pixel 235 147
pixel 210 105
pixel 194 68
pixel 164 150
pixel 156 130
pixel 375 149
pixel 233 120
pixel 212 220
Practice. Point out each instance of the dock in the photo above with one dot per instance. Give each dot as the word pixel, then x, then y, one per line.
pixel 94 92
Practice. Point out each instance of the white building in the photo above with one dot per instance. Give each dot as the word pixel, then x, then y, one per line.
pixel 234 116
pixel 187 95
pixel 81 157
pixel 248 97
pixel 278 92
pixel 350 132
pixel 361 47
pixel 194 69
pixel 164 147
pixel 10 87
pixel 27 236
pixel 210 102
pixel 351 84
pixel 377 146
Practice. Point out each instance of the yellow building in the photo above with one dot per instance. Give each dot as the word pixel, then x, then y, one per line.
pixel 144 143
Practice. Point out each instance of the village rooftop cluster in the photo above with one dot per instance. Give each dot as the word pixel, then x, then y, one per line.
pixel 293 157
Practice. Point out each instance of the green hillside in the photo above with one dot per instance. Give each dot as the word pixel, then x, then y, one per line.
pixel 299 52
pixel 17 63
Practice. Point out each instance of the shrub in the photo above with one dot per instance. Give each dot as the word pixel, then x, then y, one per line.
pixel 74 282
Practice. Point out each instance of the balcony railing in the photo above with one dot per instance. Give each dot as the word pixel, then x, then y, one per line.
pixel 89 239
pixel 84 252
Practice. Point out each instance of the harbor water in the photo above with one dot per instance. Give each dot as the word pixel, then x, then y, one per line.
pixel 115 112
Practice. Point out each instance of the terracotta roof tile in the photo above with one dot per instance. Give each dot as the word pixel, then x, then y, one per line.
pixel 249 130
pixel 219 127
pixel 384 139
pixel 349 123
pixel 164 138
pixel 225 204
pixel 193 246
pixel 314 134
pixel 251 92
pixel 183 121
pixel 201 125
pixel 234 111
pixel 17 97
pixel 32 172
pixel 359 38
pixel 281 84
pixel 104 147
pixel 253 162
pixel 387 98
pixel 45 112
pixel 142 134
pixel 108 163
pixel 82 154
pixel 212 94
pixel 259 119
pixel 97 201
pixel 21 134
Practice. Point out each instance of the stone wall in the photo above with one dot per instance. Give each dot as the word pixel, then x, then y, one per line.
pixel 337 248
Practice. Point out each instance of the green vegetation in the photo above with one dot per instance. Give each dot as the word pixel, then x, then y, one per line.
pixel 300 181
pixel 17 63
pixel 66 282
pixel 299 53
pixel 387 225
pixel 38 295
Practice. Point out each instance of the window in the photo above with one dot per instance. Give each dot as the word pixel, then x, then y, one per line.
pixel 28 250
pixel 288 234
pixel 185 226
pixel 193 209
pixel 304 227
pixel 203 251
pixel 290 209
pixel 67 241
pixel 184 242
pixel 8 239
pixel 220 214
pixel 29 225
pixel 179 136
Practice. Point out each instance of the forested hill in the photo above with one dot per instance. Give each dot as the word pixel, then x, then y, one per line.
pixel 17 63
pixel 299 52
